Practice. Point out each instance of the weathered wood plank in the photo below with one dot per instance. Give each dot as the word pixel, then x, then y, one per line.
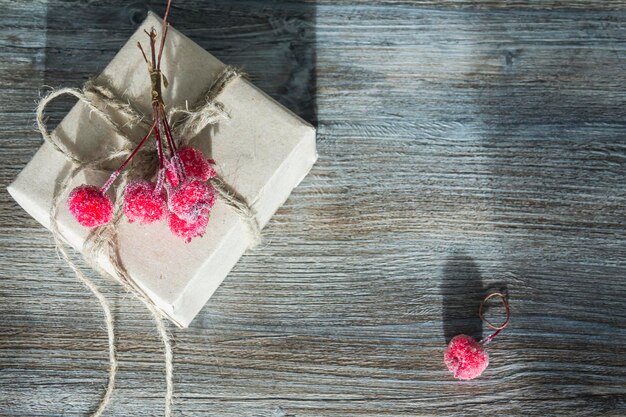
pixel 463 146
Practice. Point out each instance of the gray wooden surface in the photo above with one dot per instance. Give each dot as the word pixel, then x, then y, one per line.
pixel 463 146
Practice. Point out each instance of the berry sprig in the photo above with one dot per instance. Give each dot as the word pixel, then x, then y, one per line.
pixel 180 194
pixel 465 357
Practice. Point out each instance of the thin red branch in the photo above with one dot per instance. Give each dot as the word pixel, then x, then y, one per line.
pixel 142 52
pixel 114 175
pixel 163 33
pixel 168 130
pixel 157 135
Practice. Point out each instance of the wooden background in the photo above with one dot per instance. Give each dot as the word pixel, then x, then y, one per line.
pixel 463 146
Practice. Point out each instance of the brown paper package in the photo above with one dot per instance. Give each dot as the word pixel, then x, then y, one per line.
pixel 262 151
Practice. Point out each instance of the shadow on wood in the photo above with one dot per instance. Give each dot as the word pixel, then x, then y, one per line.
pixel 274 42
pixel 462 292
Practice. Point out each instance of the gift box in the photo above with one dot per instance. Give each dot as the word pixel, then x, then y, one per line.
pixel 262 151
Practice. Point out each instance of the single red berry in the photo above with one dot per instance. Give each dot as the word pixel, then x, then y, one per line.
pixel 191 199
pixel 465 357
pixel 194 164
pixel 187 229
pixel 90 206
pixel 142 203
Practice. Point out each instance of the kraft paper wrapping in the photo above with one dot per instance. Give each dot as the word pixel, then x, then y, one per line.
pixel 263 152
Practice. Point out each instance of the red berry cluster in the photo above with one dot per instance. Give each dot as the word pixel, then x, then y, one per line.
pixel 181 193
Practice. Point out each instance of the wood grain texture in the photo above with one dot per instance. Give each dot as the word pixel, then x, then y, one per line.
pixel 464 146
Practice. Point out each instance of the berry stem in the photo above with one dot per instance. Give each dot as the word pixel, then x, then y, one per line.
pixel 157 134
pixel 489 338
pixel 175 160
pixel 168 131
pixel 114 175
pixel 499 328
pixel 160 182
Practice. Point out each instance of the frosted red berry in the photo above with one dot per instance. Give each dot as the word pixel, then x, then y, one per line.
pixel 187 230
pixel 191 199
pixel 90 206
pixel 211 172
pixel 142 203
pixel 465 357
pixel 194 164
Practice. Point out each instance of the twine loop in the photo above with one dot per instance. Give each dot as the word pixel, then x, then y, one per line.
pixel 500 327
pixel 507 311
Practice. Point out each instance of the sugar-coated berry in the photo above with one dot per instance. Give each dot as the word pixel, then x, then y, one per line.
pixel 192 198
pixel 90 206
pixel 194 164
pixel 187 230
pixel 142 204
pixel 465 357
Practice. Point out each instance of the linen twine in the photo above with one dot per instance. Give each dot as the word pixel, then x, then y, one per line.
pixel 103 240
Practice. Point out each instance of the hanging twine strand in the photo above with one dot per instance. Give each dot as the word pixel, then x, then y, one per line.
pixel 62 250
pixel 104 239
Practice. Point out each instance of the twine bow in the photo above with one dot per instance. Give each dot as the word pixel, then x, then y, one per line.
pixel 104 239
